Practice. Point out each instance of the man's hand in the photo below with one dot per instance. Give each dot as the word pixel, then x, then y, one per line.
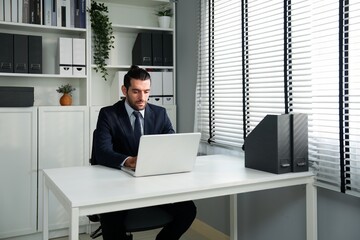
pixel 130 162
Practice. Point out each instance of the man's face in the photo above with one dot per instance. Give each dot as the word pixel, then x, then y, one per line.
pixel 138 93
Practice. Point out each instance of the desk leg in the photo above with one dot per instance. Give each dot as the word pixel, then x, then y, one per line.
pixel 311 212
pixel 233 217
pixel 74 227
pixel 45 211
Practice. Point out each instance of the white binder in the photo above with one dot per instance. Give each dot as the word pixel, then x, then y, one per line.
pixel 65 56
pixel 168 88
pixel 78 57
pixel 156 92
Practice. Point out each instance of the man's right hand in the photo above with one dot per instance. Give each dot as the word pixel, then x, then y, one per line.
pixel 130 162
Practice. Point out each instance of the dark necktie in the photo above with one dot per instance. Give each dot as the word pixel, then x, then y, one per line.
pixel 137 128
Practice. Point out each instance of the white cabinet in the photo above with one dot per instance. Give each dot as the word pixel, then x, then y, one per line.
pixel 49 135
pixel 18 171
pixel 63 138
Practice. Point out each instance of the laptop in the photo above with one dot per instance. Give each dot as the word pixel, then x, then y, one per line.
pixel 165 154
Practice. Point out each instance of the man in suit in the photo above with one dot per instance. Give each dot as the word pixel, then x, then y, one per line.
pixel 116 145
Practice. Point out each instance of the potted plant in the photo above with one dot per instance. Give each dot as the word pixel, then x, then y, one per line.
pixel 66 90
pixel 164 13
pixel 103 38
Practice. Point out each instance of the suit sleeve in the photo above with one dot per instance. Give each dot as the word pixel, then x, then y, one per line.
pixel 168 128
pixel 103 142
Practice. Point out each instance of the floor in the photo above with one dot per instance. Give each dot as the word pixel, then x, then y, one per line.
pixel 148 235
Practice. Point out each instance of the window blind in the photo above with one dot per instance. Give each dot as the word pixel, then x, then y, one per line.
pixel 293 56
pixel 264 60
pixel 219 89
pixel 352 96
pixel 324 131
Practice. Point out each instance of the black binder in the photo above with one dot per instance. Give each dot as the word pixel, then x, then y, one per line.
pixel 20 53
pixel 299 142
pixel 141 52
pixel 35 54
pixel 167 49
pixel 157 49
pixel 6 52
pixel 267 147
pixel 278 144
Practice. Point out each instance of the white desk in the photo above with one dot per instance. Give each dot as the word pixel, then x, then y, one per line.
pixel 96 189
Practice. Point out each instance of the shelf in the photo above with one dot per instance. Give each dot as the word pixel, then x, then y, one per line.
pixel 25 75
pixel 116 67
pixel 40 28
pixel 147 3
pixel 136 29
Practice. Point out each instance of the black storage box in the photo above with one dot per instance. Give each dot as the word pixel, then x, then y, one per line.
pixel 16 96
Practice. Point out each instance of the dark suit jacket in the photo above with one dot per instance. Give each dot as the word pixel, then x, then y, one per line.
pixel 114 140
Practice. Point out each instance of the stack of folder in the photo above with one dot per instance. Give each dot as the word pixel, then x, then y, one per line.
pixel 61 13
pixel 20 53
pixel 71 59
pixel 153 49
pixel 162 88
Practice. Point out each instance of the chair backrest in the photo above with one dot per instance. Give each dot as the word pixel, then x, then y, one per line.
pixel 92 159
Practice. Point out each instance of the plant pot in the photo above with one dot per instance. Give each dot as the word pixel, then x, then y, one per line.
pixel 66 100
pixel 164 21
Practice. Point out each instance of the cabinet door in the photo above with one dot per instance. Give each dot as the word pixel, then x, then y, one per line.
pixel 18 171
pixel 63 142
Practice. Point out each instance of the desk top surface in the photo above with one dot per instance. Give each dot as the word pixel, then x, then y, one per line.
pixel 91 185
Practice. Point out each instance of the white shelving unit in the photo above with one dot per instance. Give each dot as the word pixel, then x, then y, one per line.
pixel 45 84
pixel 128 17
pixel 49 123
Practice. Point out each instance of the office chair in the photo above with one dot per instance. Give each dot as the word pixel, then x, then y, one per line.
pixel 137 220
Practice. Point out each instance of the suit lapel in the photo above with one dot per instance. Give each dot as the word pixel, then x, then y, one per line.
pixel 125 125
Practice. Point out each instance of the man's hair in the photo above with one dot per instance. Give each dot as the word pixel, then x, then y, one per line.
pixel 135 72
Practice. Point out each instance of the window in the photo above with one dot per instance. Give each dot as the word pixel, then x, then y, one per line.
pixel 274 57
pixel 219 88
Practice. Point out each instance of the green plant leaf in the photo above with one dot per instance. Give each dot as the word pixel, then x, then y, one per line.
pixel 102 36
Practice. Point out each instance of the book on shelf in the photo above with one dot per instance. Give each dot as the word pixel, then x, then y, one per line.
pixel 53 13
pixel 20 11
pixel 25 11
pixel 61 13
pixel 80 13
pixel 35 11
pixel 47 11
pixel 14 11
pixel 7 10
